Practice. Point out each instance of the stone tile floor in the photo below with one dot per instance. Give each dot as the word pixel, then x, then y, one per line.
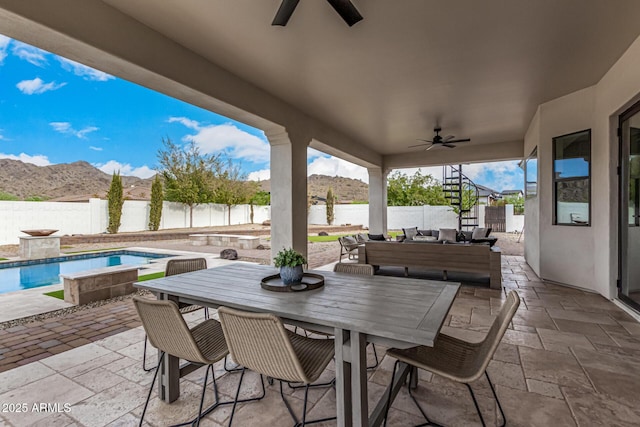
pixel 569 358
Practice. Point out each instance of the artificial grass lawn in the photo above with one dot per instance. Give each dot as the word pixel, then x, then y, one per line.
pixel 3 259
pixel 335 237
pixel 60 294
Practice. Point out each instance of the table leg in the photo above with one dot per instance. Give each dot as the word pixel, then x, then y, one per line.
pixel 169 381
pixel 360 404
pixel 343 378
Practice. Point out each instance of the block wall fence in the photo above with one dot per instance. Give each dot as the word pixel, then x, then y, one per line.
pixel 92 217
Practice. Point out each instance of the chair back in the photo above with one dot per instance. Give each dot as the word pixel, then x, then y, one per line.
pixel 167 329
pixel 260 342
pixel 353 268
pixel 499 326
pixel 179 266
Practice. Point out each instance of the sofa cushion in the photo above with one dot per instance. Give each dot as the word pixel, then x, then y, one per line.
pixel 466 236
pixel 435 233
pixel 361 237
pixel 377 237
pixel 479 233
pixel 424 232
pixel 447 234
pixel 410 233
pixel 424 239
pixel 349 242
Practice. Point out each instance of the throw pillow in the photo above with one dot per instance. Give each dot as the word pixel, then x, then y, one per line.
pixel 410 233
pixel 361 238
pixel 349 242
pixel 435 233
pixel 447 235
pixel 479 233
pixel 377 237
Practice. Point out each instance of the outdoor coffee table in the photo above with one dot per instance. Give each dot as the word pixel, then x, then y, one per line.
pixel 390 311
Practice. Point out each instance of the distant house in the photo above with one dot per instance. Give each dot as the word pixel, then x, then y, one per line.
pixel 486 195
pixel 518 193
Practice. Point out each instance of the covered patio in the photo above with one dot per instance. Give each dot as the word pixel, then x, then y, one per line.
pixel 512 77
pixel 570 358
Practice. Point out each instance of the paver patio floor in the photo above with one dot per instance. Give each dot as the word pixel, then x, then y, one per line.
pixel 569 358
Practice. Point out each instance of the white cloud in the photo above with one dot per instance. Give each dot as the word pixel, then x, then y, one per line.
pixel 125 169
pixel 66 128
pixel 331 166
pixel 37 86
pixel 38 159
pixel 91 147
pixel 237 143
pixel 498 176
pixel 4 46
pixel 191 124
pixel 31 54
pixel 259 175
pixel 84 71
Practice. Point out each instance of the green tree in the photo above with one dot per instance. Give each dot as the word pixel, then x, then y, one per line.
pixel 190 177
pixel 415 190
pixel 233 189
pixel 155 209
pixel 260 198
pixel 513 199
pixel 330 204
pixel 115 200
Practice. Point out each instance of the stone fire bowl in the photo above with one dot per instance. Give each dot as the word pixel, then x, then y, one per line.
pixel 39 233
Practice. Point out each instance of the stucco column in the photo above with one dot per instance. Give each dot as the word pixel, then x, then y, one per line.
pixel 288 191
pixel 377 200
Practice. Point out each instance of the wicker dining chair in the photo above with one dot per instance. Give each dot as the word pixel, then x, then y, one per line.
pixel 168 332
pixel 458 360
pixel 260 342
pixel 174 267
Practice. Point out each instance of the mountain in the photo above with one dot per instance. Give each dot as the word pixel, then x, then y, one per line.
pixel 345 189
pixel 65 181
pixel 80 181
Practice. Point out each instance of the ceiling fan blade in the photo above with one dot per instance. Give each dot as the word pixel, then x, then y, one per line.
pixel 284 12
pixel 448 138
pixel 446 144
pixel 417 145
pixel 459 140
pixel 430 147
pixel 346 10
pixel 425 140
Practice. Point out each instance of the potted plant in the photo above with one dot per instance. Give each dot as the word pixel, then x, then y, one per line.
pixel 290 263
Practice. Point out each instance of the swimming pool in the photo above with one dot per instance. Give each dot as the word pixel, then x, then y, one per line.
pixel 19 275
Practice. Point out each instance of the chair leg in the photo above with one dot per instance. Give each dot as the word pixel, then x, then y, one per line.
pixel 144 356
pixel 475 402
pixel 495 396
pixel 388 406
pixel 235 400
pixel 424 414
pixel 304 421
pixel 236 369
pixel 375 354
pixel 206 313
pixel 144 410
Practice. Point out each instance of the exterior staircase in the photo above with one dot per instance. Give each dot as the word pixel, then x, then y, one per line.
pixel 463 196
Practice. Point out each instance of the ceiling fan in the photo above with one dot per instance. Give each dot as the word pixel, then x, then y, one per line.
pixel 345 9
pixel 439 140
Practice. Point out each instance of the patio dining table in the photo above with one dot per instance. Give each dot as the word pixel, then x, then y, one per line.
pixel 391 311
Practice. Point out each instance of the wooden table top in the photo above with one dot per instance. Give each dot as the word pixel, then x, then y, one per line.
pixel 395 308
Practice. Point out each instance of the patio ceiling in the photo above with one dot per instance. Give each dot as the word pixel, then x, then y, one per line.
pixel 479 69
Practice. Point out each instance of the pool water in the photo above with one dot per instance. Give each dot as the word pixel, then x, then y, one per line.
pixel 21 275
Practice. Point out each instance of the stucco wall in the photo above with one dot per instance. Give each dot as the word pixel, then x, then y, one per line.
pixel 582 256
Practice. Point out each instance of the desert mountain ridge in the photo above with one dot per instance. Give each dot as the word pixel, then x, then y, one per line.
pixel 79 181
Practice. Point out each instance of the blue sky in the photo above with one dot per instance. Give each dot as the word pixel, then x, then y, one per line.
pixel 53 110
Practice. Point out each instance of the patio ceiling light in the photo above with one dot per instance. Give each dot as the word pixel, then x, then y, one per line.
pixel 345 9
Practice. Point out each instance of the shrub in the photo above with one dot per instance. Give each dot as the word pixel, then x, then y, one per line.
pixel 155 210
pixel 115 200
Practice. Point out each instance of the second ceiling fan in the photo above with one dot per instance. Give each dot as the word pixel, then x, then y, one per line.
pixel 445 141
pixel 345 9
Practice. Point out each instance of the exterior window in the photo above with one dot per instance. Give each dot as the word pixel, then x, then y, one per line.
pixel 572 179
pixel 531 175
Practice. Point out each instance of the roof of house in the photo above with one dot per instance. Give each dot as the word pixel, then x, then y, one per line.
pixel 506 192
pixel 486 191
